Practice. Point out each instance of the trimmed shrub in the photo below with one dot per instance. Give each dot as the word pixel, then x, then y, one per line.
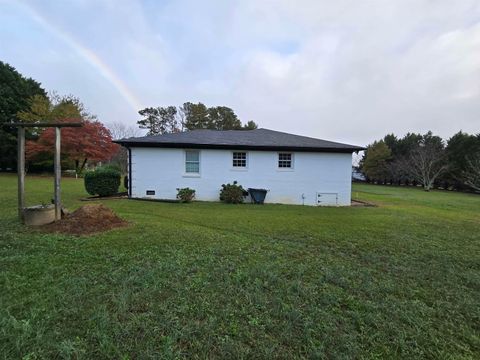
pixel 185 195
pixel 232 193
pixel 112 166
pixel 104 181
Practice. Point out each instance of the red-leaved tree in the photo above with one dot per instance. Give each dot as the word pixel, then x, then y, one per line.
pixel 91 142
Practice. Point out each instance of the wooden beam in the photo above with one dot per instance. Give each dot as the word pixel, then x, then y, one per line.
pixel 65 124
pixel 21 171
pixel 58 173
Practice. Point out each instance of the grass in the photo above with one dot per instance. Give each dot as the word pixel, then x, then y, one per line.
pixel 208 280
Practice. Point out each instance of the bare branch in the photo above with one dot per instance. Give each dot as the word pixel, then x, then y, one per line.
pixel 425 164
pixel 471 175
pixel 119 130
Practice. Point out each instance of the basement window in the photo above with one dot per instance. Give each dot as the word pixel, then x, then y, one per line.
pixel 192 162
pixel 239 159
pixel 285 160
pixel 150 192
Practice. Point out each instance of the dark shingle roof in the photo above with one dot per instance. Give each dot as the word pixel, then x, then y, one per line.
pixel 259 139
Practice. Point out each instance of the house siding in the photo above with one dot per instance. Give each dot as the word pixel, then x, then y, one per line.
pixel 163 170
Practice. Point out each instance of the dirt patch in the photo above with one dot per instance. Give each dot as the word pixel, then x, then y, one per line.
pixel 362 203
pixel 122 195
pixel 86 220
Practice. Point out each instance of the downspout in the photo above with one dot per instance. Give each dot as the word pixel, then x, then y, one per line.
pixel 129 172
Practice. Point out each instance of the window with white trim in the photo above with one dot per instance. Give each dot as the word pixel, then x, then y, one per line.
pixel 192 162
pixel 285 160
pixel 239 159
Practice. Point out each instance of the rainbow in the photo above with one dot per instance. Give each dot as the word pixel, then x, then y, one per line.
pixel 88 55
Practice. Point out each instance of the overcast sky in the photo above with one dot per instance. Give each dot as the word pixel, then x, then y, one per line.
pixel 347 71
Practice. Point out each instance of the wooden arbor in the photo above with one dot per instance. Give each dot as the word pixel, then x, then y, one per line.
pixel 57 165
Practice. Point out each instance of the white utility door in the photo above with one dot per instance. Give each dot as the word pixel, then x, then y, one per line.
pixel 327 199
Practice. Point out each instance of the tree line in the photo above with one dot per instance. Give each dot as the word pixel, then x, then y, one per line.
pixel 425 160
pixel 190 116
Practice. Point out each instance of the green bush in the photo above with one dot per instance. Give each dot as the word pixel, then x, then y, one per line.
pixel 112 166
pixel 185 194
pixel 232 193
pixel 104 181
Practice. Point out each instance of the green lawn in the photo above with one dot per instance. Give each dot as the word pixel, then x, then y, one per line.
pixel 208 280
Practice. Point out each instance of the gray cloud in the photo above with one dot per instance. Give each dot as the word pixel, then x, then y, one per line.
pixel 345 70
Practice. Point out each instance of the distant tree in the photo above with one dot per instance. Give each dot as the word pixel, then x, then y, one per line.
pixel 181 116
pixel 191 116
pixel 159 120
pixel 406 145
pixel 471 174
pixel 54 107
pixel 402 146
pixel 401 149
pixel 459 148
pixel 119 131
pixel 39 109
pixel 427 161
pixel 150 121
pixel 393 144
pixel 91 142
pixel 197 116
pixel 395 173
pixel 15 93
pixel 250 125
pixel 224 118
pixel 375 161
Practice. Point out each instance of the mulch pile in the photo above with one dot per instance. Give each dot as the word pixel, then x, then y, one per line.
pixel 86 220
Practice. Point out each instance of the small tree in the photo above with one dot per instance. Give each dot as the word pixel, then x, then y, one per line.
pixel 92 141
pixel 375 161
pixel 427 161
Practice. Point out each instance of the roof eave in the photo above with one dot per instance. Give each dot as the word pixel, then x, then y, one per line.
pixel 130 144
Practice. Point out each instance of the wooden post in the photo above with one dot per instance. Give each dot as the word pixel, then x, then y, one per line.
pixel 21 163
pixel 21 171
pixel 58 173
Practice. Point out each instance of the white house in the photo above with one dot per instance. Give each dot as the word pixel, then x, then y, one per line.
pixel 294 169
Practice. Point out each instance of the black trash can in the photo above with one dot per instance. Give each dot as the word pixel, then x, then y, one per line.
pixel 257 195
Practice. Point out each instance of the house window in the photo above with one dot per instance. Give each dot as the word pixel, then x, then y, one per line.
pixel 192 162
pixel 285 160
pixel 239 159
